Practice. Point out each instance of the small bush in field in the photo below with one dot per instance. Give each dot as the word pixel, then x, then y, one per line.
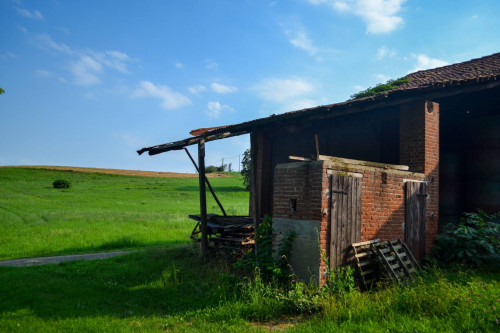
pixel 61 183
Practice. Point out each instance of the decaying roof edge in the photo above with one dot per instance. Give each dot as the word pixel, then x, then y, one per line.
pixel 386 99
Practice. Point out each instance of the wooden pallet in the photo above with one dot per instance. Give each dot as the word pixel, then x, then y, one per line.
pixel 367 265
pixel 396 259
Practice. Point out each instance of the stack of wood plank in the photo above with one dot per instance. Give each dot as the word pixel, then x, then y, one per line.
pixel 233 232
pixel 368 269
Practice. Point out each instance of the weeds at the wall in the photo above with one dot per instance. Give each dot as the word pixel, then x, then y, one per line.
pixel 263 260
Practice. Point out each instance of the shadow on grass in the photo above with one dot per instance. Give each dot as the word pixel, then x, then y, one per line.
pixel 151 282
pixel 124 243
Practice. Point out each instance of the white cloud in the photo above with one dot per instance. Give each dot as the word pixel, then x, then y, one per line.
pixel 32 15
pixel 380 16
pixel 43 73
pixel 283 95
pixel 384 52
pixel 215 109
pixel 475 16
pixel 118 55
pixel 90 96
pixel 113 59
pixel 297 35
pixel 171 99
pixel 85 71
pixel 46 42
pixel 425 62
pixel 197 89
pixel 209 64
pixel 8 55
pixel 300 40
pixel 86 65
pixel 223 89
pixel 179 65
pixel 382 77
pixel 299 104
pixel 282 90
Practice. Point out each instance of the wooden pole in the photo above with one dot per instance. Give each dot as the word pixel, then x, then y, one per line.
pixel 203 199
pixel 208 183
pixel 317 146
pixel 253 184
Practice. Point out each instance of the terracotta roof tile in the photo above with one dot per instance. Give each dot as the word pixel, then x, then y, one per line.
pixel 475 69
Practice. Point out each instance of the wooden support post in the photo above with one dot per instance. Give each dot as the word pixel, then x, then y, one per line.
pixel 317 146
pixel 203 199
pixel 208 183
pixel 254 181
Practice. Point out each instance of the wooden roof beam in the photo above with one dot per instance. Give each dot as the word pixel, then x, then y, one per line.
pixel 178 145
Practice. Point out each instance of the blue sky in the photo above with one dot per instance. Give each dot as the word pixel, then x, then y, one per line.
pixel 87 83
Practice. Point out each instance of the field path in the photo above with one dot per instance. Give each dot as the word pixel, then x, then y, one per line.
pixel 58 259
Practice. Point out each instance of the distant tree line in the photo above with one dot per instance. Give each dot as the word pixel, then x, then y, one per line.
pixel 246 163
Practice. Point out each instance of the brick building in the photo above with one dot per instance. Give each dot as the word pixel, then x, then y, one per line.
pixel 387 166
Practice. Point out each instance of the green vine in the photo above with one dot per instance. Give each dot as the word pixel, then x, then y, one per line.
pixel 263 260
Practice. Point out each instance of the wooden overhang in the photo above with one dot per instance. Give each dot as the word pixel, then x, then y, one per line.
pixel 470 76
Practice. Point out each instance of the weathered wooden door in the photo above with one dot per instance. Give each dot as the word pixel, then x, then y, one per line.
pixel 416 196
pixel 345 216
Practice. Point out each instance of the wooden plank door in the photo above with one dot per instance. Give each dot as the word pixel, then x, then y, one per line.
pixel 345 217
pixel 415 228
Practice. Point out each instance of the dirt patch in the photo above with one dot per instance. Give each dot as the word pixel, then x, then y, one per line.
pixel 123 172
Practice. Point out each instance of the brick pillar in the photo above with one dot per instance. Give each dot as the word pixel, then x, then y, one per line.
pixel 419 149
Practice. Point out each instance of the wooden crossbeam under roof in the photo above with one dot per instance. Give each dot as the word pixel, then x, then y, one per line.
pixel 181 144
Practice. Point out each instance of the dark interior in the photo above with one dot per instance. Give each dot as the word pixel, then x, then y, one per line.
pixel 469 153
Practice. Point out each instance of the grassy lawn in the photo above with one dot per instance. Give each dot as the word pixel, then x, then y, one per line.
pixel 101 212
pixel 167 288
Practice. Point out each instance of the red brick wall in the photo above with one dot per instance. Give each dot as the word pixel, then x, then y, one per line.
pixel 383 199
pixel 301 182
pixel 419 149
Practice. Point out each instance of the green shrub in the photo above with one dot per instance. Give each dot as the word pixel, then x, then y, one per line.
pixel 474 240
pixel 211 169
pixel 381 88
pixel 61 183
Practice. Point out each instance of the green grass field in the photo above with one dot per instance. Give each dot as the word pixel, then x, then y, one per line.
pixel 161 287
pixel 101 212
